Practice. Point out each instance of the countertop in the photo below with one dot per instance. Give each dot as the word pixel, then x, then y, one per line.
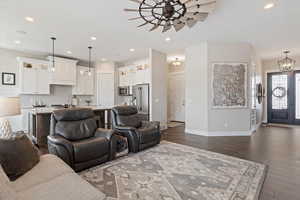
pixel 49 110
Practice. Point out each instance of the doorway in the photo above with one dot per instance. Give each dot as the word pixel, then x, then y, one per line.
pixel 176 97
pixel 284 97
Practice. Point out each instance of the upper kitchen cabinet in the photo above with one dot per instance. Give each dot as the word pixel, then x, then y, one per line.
pixel 85 82
pixel 133 75
pixel 34 76
pixel 142 74
pixel 65 71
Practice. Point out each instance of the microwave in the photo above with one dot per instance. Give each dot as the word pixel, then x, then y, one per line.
pixel 125 91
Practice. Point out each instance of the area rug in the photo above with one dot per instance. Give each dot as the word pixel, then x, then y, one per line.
pixel 176 172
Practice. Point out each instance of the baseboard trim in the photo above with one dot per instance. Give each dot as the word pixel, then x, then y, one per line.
pixel 218 133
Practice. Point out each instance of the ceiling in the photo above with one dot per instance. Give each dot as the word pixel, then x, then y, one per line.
pixel 74 22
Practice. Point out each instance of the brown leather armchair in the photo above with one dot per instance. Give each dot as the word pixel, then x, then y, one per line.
pixel 140 134
pixel 75 138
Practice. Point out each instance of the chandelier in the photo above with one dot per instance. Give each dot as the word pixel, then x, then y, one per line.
pixel 176 62
pixel 172 13
pixel 287 64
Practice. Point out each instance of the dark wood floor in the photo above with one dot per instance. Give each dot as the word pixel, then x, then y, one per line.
pixel 277 147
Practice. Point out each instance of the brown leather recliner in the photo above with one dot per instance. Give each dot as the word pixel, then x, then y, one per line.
pixel 140 134
pixel 75 138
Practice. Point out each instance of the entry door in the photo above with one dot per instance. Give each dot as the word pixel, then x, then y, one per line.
pixel 176 97
pixel 278 98
pixel 284 98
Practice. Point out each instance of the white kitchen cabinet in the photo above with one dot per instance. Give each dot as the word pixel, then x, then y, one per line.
pixel 84 83
pixel 123 77
pixel 34 76
pixel 132 75
pixel 142 75
pixel 106 89
pixel 65 71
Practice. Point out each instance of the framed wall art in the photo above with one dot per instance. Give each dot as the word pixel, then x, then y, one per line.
pixel 8 78
pixel 229 85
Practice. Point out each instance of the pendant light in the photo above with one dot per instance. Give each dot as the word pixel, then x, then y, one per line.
pixel 90 57
pixel 287 64
pixel 53 58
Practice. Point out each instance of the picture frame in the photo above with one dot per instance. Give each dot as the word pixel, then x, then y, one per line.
pixel 8 78
pixel 229 78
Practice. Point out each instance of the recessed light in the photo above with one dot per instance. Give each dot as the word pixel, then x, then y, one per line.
pixel 103 59
pixel 29 19
pixel 269 6
pixel 93 38
pixel 131 50
pixel 17 42
pixel 168 39
pixel 69 52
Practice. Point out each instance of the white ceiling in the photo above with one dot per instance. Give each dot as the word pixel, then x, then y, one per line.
pixel 73 22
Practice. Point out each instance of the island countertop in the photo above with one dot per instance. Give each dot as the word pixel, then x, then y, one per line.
pixel 49 110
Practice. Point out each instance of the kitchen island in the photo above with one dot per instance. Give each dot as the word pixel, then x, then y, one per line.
pixel 39 121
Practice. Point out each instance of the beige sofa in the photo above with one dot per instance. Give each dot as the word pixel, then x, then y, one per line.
pixel 50 179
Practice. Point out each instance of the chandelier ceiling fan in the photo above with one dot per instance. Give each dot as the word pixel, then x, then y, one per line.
pixel 172 13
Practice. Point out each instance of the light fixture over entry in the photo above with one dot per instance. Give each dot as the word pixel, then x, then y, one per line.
pixel 172 13
pixel 287 64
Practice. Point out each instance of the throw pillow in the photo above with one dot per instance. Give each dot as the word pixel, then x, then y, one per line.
pixel 17 155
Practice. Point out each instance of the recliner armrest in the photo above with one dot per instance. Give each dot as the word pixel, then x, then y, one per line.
pixel 125 128
pixel 111 139
pixel 155 124
pixel 105 133
pixel 61 147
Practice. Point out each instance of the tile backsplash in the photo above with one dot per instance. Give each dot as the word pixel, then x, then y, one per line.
pixel 58 95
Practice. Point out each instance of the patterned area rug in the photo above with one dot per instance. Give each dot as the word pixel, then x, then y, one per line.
pixel 176 172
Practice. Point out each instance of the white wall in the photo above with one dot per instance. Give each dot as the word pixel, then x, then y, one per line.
pixel 158 87
pixel 196 74
pixel 201 118
pixel 229 119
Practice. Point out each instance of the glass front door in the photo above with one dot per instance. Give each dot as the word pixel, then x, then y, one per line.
pixel 284 98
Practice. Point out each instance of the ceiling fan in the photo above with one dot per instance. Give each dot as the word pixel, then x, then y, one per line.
pixel 172 13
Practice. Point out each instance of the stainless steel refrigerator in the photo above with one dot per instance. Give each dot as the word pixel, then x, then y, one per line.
pixel 140 96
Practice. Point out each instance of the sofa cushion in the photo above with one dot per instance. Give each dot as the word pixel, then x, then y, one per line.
pixel 48 168
pixel 6 191
pixel 17 155
pixel 66 187
pixel 90 149
pixel 76 130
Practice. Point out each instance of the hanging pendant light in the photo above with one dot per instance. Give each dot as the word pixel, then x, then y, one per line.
pixel 176 62
pixel 90 57
pixel 287 64
pixel 53 58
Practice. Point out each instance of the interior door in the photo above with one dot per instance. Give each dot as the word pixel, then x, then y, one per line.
pixel 278 98
pixel 176 97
